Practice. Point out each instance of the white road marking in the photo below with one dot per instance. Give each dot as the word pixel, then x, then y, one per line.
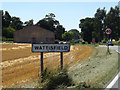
pixel 113 81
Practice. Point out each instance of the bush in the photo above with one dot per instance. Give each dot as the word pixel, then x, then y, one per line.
pixel 67 36
pixel 60 80
pixel 83 42
pixel 82 85
pixel 75 41
pixel 8 32
pixel 7 39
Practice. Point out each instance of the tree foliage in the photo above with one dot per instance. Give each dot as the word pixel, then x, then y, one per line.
pixel 28 23
pixel 6 19
pixel 76 33
pixel 10 24
pixel 59 31
pixel 86 26
pixel 98 23
pixel 16 23
pixel 8 32
pixel 95 27
pixel 67 36
pixel 112 21
pixel 50 23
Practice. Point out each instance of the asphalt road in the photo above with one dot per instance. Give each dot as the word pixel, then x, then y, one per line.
pixel 117 48
pixel 115 83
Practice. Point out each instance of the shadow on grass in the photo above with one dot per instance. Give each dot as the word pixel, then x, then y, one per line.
pixel 60 80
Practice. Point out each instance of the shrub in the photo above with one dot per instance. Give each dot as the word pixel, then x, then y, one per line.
pixel 82 85
pixel 60 80
pixel 8 32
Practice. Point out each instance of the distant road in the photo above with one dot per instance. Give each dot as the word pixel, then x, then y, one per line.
pixel 117 48
pixel 115 83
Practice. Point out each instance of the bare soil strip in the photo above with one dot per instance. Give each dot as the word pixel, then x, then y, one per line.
pixel 20 66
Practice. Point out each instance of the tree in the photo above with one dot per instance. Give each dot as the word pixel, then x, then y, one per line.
pixel 8 32
pixel 49 22
pixel 98 23
pixel 112 21
pixel 67 36
pixel 59 31
pixel 16 23
pixel 86 26
pixel 6 19
pixel 29 23
pixel 76 34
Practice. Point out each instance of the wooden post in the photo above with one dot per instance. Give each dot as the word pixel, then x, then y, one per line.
pixel 41 66
pixel 61 60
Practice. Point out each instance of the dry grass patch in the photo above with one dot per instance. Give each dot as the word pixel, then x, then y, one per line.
pixel 20 66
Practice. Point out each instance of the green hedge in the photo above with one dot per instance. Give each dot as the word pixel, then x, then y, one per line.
pixel 8 40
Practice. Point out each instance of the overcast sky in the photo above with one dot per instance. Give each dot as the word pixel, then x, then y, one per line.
pixel 67 13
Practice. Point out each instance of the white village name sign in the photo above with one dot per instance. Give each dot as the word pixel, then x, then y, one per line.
pixel 50 47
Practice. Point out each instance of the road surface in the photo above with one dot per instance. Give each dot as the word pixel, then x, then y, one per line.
pixel 115 83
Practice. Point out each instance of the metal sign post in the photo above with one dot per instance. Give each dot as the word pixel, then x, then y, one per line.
pixel 108 31
pixel 108 48
pixel 61 60
pixel 41 64
pixel 50 48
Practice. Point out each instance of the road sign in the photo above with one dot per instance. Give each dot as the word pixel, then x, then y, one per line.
pixel 108 31
pixel 50 47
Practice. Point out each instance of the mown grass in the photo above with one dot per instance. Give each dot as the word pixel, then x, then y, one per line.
pixel 94 72
pixel 97 70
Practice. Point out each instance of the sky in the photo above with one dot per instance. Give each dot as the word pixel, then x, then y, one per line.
pixel 67 13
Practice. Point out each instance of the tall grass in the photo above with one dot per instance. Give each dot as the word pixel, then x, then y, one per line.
pixel 53 80
pixel 60 80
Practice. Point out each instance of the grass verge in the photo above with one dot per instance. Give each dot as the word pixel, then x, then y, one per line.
pixel 94 72
pixel 97 70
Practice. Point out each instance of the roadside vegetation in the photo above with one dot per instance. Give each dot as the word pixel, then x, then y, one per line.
pixel 94 72
pixel 97 70
pixel 7 40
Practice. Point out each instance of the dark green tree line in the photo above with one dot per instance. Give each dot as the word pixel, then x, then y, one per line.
pixel 10 24
pixel 86 26
pixel 95 27
pixel 98 24
pixel 112 21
